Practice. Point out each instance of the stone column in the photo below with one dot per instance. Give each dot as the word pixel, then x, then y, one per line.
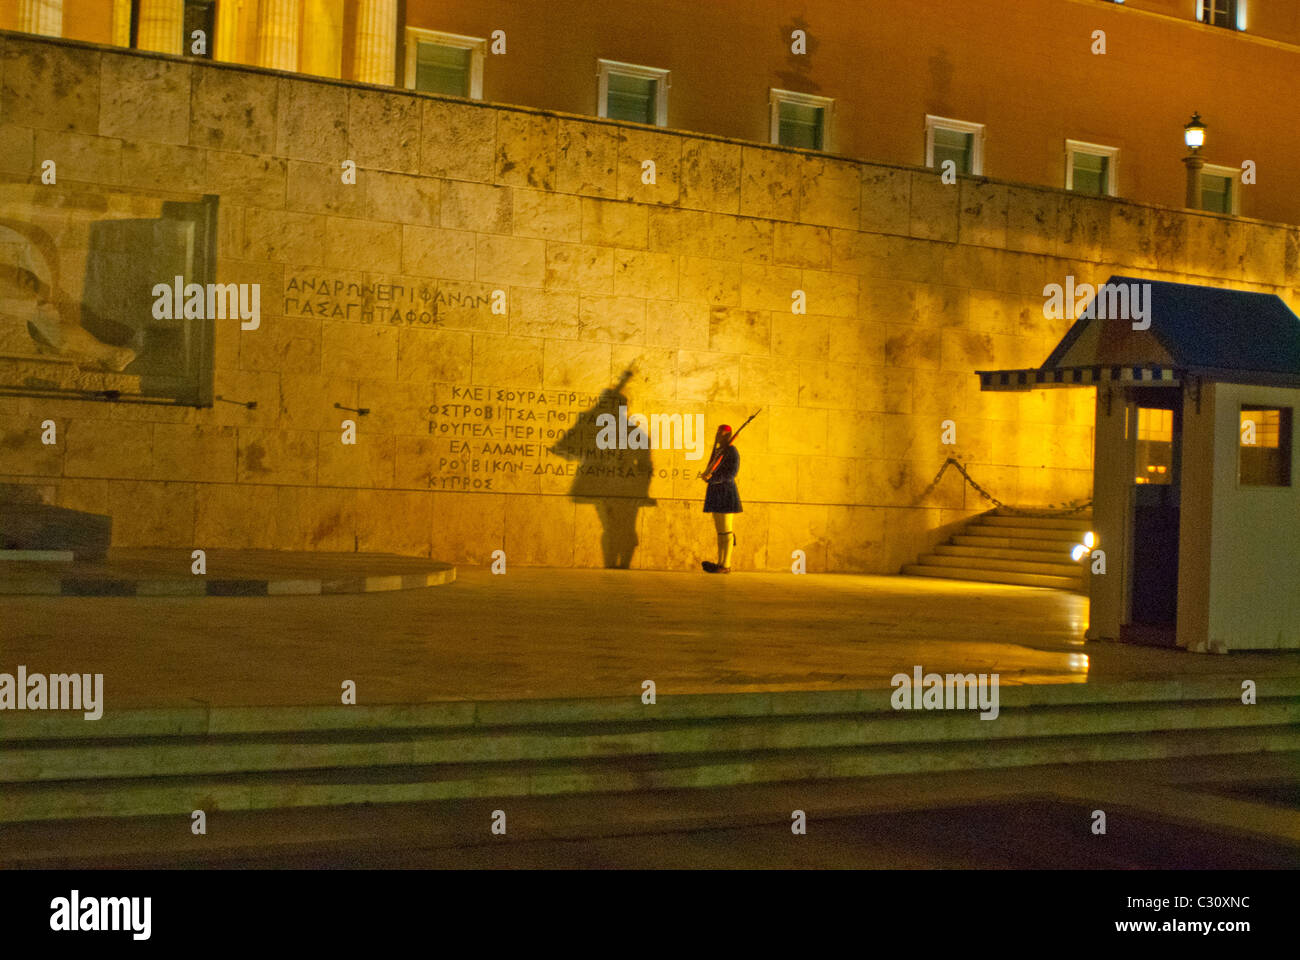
pixel 41 16
pixel 322 38
pixel 120 29
pixel 227 47
pixel 160 26
pixel 376 41
pixel 279 25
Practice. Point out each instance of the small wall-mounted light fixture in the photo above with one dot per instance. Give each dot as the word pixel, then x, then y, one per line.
pixel 359 411
pixel 250 404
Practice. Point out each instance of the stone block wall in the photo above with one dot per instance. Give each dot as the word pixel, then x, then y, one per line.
pixel 379 295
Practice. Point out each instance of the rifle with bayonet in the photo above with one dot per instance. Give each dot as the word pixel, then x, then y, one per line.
pixel 715 456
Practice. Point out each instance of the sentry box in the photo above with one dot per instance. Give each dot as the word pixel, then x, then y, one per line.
pixel 1194 498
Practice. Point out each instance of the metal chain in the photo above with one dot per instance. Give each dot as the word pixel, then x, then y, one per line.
pixel 950 462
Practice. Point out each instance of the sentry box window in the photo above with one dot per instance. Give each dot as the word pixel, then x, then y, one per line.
pixel 1264 458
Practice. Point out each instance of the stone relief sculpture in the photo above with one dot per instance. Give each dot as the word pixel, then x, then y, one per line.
pixel 77 271
pixel 35 313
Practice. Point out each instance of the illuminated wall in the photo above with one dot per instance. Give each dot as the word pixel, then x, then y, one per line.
pixel 493 271
pixel 1031 71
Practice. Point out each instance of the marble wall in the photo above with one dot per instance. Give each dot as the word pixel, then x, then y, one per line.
pixel 493 271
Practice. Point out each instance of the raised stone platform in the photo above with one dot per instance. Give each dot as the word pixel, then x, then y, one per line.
pixel 559 634
pixel 229 573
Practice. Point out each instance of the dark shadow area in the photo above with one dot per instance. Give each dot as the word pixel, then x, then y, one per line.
pixel 28 524
pixel 1273 793
pixel 615 480
pixel 1030 834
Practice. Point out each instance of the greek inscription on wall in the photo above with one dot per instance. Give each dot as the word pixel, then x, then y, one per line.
pixel 397 301
pixel 496 436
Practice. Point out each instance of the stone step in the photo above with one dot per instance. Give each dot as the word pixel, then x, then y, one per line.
pixel 354 832
pixel 1013 513
pixel 27 728
pixel 178 796
pixel 1053 534
pixel 991 576
pixel 167 757
pixel 1071 525
pixel 999 553
pixel 1061 547
pixel 1069 570
pixel 1002 546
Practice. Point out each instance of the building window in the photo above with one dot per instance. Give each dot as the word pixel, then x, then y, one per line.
pixel 1219 189
pixel 1230 14
pixel 1265 450
pixel 801 120
pixel 200 15
pixel 1155 446
pixel 634 93
pixel 955 140
pixel 1091 168
pixel 444 63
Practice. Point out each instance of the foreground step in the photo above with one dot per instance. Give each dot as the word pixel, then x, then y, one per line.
pixel 345 833
pixel 201 721
pixel 415 784
pixel 117 760
pixel 173 761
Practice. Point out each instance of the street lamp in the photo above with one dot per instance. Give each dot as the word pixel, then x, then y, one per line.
pixel 1194 137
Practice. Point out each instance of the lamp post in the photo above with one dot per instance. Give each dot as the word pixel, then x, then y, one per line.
pixel 1194 137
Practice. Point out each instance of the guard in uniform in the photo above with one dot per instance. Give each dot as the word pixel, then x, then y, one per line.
pixel 722 499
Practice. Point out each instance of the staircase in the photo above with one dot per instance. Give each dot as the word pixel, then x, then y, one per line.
pixel 169 762
pixel 1002 547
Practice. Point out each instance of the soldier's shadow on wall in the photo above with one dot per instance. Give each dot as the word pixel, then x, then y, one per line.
pixel 615 480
